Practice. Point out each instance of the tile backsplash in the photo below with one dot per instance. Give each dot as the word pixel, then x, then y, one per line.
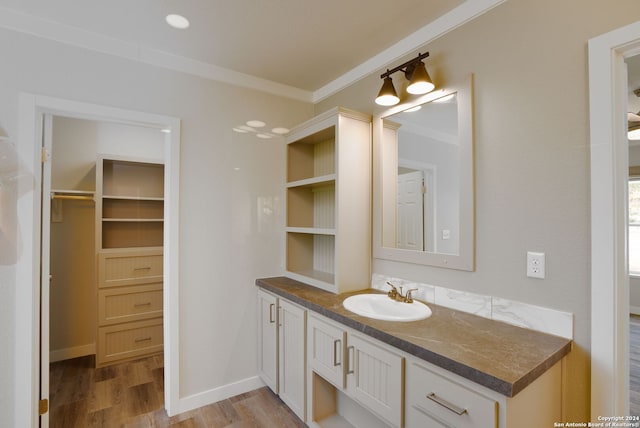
pixel 534 317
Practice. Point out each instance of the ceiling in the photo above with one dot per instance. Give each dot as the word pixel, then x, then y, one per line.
pixel 303 45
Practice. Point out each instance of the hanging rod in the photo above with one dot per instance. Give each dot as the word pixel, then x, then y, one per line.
pixel 78 195
pixel 74 197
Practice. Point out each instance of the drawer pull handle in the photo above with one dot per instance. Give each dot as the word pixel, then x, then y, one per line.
pixel 143 339
pixel 335 352
pixel 350 357
pixel 271 317
pixel 446 404
pixel 137 305
pixel 143 268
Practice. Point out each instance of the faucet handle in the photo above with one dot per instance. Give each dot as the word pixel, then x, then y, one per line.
pixel 393 292
pixel 407 297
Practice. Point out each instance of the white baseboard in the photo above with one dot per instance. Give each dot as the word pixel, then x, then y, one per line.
pixel 68 353
pixel 218 394
pixel 635 310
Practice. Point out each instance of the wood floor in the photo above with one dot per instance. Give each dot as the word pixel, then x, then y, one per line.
pixel 131 395
pixel 634 365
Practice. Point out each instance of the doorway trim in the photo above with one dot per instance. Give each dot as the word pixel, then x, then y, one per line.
pixel 27 350
pixel 609 173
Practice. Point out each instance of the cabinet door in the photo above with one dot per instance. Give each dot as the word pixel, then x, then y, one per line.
pixel 268 339
pixel 326 350
pixel 374 378
pixel 291 357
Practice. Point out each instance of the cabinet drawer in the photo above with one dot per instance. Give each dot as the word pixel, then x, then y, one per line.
pixel 126 304
pixel 129 268
pixel 122 341
pixel 447 401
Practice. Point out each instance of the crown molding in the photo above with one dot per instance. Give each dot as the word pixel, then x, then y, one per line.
pixel 462 14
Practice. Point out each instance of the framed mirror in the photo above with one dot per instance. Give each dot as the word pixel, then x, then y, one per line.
pixel 423 180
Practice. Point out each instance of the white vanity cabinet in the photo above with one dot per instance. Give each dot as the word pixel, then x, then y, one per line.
pixel 282 349
pixel 363 369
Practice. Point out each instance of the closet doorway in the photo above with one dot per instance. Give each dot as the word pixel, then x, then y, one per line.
pixel 107 182
pixel 32 394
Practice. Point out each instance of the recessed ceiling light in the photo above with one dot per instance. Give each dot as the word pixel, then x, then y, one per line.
pixel 280 130
pixel 264 136
pixel 256 123
pixel 240 130
pixel 177 21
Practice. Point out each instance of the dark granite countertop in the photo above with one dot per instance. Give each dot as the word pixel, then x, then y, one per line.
pixel 499 356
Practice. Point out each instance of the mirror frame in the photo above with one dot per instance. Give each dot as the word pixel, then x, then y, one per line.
pixel 465 259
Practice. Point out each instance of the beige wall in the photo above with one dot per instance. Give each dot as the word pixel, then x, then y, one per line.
pixel 231 188
pixel 529 59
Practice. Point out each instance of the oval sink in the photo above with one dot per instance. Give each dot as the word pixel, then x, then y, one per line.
pixel 381 307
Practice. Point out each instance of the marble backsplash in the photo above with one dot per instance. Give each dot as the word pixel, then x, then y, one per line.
pixel 534 317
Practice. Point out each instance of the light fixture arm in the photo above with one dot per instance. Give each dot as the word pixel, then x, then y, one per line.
pixel 409 65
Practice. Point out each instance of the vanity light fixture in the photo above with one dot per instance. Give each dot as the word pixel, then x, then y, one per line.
pixel 415 72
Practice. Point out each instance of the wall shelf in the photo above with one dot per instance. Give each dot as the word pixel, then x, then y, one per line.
pixel 329 189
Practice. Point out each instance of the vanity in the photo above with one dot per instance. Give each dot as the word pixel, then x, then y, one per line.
pixel 453 369
pixel 324 346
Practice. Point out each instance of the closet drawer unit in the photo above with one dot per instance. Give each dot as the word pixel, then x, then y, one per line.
pixel 123 341
pixel 453 404
pixel 124 304
pixel 130 267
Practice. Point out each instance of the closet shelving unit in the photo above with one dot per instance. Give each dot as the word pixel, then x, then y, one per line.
pixel 129 239
pixel 328 201
pixel 131 203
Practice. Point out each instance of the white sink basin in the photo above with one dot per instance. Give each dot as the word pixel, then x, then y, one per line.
pixel 381 307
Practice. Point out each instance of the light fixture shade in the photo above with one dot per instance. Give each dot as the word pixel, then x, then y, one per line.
pixel 420 81
pixel 387 95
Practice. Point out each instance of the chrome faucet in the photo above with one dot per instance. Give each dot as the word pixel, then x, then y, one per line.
pixel 396 294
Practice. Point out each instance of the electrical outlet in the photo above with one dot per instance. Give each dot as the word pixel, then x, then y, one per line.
pixel 535 265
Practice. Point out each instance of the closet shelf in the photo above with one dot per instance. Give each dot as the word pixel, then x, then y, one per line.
pixel 79 195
